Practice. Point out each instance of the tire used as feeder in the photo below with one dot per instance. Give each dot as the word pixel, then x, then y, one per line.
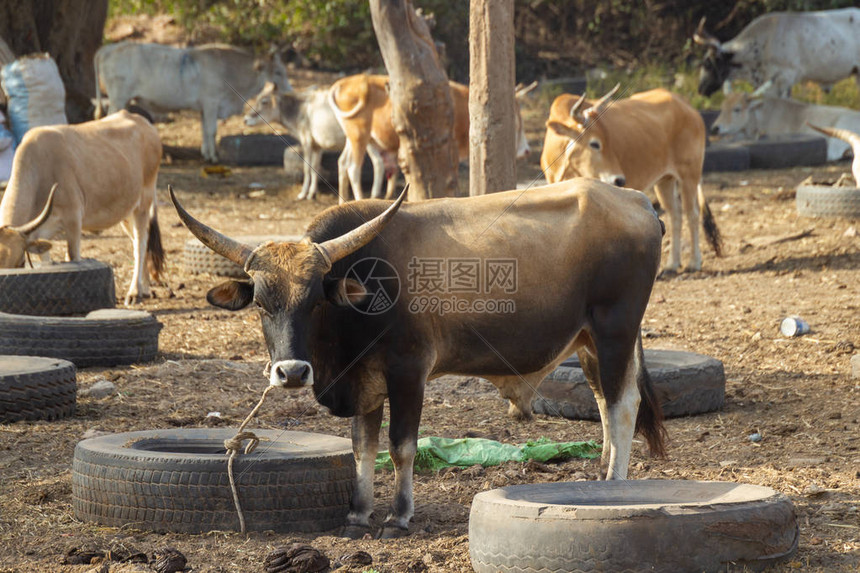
pixel 198 258
pixel 176 480
pixel 662 526
pixel 787 150
pixel 36 388
pixel 60 289
pixel 827 201
pixel 685 383
pixel 726 157
pixel 106 337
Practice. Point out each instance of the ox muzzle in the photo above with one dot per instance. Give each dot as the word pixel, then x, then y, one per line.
pixel 291 374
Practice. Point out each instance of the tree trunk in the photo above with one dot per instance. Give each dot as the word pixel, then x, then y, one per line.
pixel 492 149
pixel 422 109
pixel 70 31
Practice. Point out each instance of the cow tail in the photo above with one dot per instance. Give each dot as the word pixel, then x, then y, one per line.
pixel 712 232
pixel 332 94
pixel 154 248
pixel 99 112
pixel 649 420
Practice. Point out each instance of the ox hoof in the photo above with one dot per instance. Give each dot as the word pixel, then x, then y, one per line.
pixel 393 532
pixel 668 274
pixel 356 532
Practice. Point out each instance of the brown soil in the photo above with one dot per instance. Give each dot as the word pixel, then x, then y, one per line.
pixel 797 393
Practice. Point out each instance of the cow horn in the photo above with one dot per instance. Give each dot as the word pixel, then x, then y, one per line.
pixel 703 38
pixel 762 89
pixel 574 110
pixel 28 228
pixel 601 103
pixel 336 249
pixel 524 91
pixel 221 244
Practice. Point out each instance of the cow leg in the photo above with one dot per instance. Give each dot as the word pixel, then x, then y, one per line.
pixel 667 195
pixel 138 223
pixel 612 373
pixel 405 403
pixel 342 177
pixel 209 122
pixel 73 230
pixel 314 168
pixel 353 168
pixel 365 444
pixel 378 163
pixel 690 205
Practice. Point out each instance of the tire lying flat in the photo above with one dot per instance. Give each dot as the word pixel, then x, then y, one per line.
pixel 787 150
pixel 176 480
pixel 726 157
pixel 106 337
pixel 685 383
pixel 646 525
pixel 36 388
pixel 198 258
pixel 57 290
pixel 827 201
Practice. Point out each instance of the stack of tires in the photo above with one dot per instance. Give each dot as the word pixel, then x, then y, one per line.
pixel 54 319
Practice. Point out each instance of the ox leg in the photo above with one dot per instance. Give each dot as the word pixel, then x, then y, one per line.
pixel 612 374
pixel 405 406
pixel 209 122
pixel 690 205
pixel 667 195
pixel 365 444
pixel 378 163
pixel 342 177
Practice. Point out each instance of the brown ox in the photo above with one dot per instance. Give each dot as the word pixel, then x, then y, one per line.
pixel 651 139
pixel 363 108
pixel 336 316
pixel 104 172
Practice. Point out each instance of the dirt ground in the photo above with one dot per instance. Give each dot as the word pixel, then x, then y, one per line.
pixel 797 393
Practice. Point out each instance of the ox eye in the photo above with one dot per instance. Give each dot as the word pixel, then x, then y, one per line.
pixel 594 144
pixel 262 309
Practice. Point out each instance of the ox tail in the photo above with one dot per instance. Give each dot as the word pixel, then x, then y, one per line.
pixel 649 420
pixel 712 232
pixel 332 94
pixel 154 249
pixel 99 112
pixel 848 137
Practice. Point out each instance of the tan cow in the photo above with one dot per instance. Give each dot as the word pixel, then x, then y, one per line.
pixel 85 177
pixel 650 140
pixel 363 108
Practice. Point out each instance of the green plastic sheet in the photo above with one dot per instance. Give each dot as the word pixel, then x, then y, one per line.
pixel 435 453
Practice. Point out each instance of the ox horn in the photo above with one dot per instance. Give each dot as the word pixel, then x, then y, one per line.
pixel 28 228
pixel 701 37
pixel 221 244
pixel 336 249
pixel 574 110
pixel 847 136
pixel 602 102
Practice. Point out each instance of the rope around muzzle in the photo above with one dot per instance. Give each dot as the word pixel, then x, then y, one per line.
pixel 234 446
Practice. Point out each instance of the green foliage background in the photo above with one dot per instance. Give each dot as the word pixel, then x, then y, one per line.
pixel 644 43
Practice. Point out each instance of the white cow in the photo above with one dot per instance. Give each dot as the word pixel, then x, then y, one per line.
pixel 86 177
pixel 785 48
pixel 214 79
pixel 309 116
pixel 752 116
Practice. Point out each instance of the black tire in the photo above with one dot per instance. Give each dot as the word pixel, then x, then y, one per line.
pixel 788 150
pixel 254 149
pixel 177 480
pixel 646 525
pixel 198 258
pixel 685 383
pixel 726 157
pixel 36 388
pixel 106 337
pixel 57 290
pixel 826 201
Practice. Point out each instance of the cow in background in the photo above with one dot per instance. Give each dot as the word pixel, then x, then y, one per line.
pixel 650 140
pixel 363 108
pixel 214 79
pixel 751 116
pixel 784 48
pixel 85 177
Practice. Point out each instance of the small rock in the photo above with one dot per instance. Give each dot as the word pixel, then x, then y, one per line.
pixel 813 490
pixel 727 463
pixel 756 337
pixel 850 232
pixel 101 389
pixel 213 415
pixel 168 560
pixel 755 438
pixel 93 433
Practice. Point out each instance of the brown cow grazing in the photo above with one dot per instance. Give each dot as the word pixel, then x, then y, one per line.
pixel 358 343
pixel 651 139
pixel 363 108
pixel 85 177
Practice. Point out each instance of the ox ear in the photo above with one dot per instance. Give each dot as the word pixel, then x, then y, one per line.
pixel 563 129
pixel 344 292
pixel 38 247
pixel 232 295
